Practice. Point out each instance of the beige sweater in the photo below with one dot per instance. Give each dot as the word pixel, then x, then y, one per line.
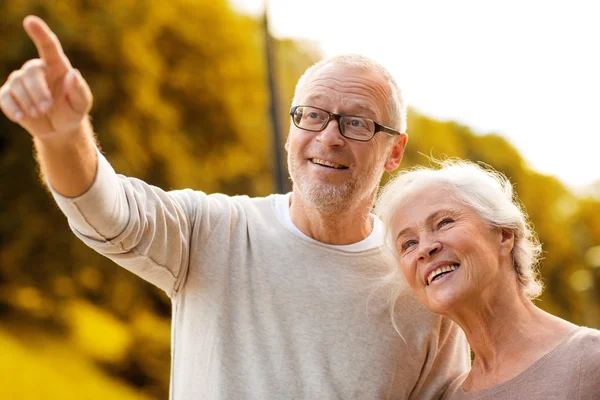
pixel 571 371
pixel 259 312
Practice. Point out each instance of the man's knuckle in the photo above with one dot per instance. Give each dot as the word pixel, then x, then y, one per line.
pixel 32 66
pixel 14 76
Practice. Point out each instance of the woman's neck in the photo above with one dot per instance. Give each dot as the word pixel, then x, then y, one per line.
pixel 507 333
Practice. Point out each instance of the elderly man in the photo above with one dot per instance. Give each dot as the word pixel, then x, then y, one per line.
pixel 272 297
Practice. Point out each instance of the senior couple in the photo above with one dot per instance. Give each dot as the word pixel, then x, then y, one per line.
pixel 280 297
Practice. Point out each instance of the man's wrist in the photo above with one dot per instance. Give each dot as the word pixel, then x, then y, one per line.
pixel 67 138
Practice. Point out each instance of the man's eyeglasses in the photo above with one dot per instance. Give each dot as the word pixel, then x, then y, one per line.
pixel 351 126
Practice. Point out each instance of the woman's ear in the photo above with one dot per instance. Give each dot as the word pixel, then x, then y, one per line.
pixel 507 241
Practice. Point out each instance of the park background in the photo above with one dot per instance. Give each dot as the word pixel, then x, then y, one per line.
pixel 181 99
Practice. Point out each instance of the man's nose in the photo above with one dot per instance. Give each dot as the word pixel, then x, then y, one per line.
pixel 331 135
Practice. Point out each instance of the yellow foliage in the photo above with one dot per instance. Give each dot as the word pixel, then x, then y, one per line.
pixel 581 280
pixel 150 327
pixel 97 333
pixel 592 256
pixel 29 298
pixel 35 366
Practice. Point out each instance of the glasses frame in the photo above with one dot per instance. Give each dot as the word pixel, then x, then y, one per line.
pixel 337 118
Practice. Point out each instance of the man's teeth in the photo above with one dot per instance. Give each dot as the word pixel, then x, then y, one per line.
pixel 433 275
pixel 327 163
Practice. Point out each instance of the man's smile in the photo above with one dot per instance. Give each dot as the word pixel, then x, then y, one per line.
pixel 326 163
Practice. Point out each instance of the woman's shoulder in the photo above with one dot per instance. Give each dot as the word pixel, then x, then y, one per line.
pixel 580 350
pixel 584 341
pixel 590 345
pixel 587 341
pixel 585 338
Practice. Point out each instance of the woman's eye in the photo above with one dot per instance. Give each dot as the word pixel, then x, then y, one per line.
pixel 444 222
pixel 408 244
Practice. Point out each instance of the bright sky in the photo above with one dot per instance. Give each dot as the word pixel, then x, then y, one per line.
pixel 528 70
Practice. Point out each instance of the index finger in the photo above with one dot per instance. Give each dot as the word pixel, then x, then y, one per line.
pixel 47 43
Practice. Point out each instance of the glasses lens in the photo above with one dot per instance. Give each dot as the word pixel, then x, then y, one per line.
pixel 310 118
pixel 357 127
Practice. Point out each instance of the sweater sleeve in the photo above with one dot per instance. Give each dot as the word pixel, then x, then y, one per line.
pixel 448 357
pixel 139 226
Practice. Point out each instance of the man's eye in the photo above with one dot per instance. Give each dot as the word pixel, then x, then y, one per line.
pixel 357 123
pixel 313 115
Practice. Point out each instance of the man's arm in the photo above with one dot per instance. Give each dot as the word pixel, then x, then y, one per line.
pixel 142 228
pixel 51 100
pixel 69 164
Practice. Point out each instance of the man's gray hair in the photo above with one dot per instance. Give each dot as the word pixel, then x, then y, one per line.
pixel 396 109
pixel 486 191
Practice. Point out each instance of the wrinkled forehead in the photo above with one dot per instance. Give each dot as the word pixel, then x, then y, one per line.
pixel 330 102
pixel 421 201
pixel 347 90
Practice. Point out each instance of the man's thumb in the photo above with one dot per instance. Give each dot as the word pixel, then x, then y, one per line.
pixel 77 92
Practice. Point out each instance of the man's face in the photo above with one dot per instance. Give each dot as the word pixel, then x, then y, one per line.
pixel 330 172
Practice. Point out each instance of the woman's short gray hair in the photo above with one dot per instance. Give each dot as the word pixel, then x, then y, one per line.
pixel 396 108
pixel 486 191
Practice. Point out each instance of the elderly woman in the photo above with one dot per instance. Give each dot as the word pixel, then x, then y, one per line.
pixel 467 251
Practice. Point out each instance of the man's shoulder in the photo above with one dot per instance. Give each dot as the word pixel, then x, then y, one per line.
pixel 242 208
pixel 213 209
pixel 222 199
pixel 242 199
pixel 258 206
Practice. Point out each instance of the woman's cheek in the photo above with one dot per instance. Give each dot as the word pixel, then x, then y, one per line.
pixel 410 273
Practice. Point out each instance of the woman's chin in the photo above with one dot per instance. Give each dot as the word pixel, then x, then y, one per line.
pixel 443 299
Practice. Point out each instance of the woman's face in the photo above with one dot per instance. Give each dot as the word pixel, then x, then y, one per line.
pixel 449 255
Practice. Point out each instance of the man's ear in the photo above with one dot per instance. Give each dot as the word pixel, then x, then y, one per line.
pixel 287 143
pixel 396 153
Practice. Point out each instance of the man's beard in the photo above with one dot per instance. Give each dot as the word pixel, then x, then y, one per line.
pixel 330 198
